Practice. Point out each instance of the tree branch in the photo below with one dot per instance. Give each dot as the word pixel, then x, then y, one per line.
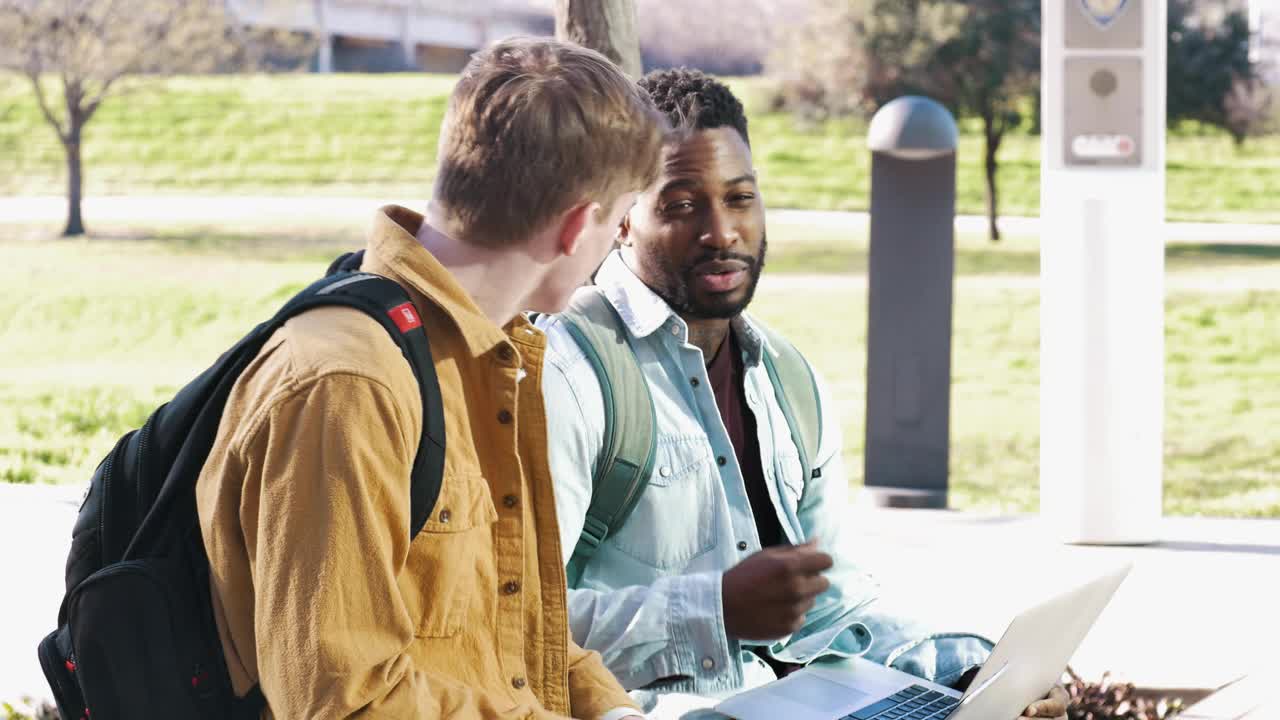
pixel 92 106
pixel 43 102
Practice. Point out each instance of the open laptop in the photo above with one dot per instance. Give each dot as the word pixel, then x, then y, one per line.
pixel 1024 665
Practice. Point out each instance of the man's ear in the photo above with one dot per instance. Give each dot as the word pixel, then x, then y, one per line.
pixel 624 230
pixel 574 221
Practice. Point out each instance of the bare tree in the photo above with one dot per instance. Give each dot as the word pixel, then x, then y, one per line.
pixel 1247 108
pixel 852 56
pixel 728 37
pixel 985 70
pixel 979 57
pixel 607 26
pixel 1212 77
pixel 79 53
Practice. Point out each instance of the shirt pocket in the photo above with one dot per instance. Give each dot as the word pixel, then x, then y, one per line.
pixel 674 520
pixel 450 561
pixel 786 467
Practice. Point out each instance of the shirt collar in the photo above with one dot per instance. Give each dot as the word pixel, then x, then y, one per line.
pixel 751 339
pixel 394 251
pixel 643 311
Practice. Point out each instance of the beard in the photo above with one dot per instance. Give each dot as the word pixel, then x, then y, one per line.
pixel 676 284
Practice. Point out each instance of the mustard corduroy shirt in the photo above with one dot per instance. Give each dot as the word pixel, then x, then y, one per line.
pixel 319 593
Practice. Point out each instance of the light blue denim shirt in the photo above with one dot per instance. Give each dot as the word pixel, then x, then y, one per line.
pixel 650 599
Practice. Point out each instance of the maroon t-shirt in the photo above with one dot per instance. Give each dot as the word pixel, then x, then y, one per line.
pixel 726 375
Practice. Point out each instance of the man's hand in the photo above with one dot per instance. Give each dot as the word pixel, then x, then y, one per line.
pixel 767 595
pixel 1054 705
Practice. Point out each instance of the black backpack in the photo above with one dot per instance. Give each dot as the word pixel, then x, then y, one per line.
pixel 136 636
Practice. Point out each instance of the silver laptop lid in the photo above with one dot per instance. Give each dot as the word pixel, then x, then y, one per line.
pixel 1034 651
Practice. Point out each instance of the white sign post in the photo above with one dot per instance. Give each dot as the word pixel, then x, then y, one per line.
pixel 1102 204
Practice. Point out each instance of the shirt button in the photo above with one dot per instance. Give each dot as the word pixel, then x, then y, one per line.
pixel 708 663
pixel 511 588
pixel 665 472
pixel 505 353
pixel 742 544
pixel 694 382
pixel 675 329
pixel 721 461
pixel 510 501
pixel 518 683
pixel 504 417
pixel 445 516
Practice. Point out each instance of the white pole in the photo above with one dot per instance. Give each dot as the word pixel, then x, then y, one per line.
pixel 1102 269
pixel 407 44
pixel 324 62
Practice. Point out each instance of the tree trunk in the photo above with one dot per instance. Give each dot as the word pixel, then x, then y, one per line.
pixel 75 181
pixel 1037 121
pixel 606 26
pixel 993 200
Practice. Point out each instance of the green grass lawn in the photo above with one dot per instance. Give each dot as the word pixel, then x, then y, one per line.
pixel 97 333
pixel 376 135
pixel 1222 402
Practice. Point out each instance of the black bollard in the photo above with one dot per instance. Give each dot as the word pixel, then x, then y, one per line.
pixel 910 276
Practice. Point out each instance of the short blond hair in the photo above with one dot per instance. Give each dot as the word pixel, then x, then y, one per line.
pixel 536 126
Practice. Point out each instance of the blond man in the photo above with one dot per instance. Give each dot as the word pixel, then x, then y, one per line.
pixel 321 597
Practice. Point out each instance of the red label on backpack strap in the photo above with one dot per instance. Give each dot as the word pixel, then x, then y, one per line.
pixel 405 317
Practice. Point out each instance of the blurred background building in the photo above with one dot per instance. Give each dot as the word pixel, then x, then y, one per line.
pixel 398 35
pixel 439 35
pixel 728 37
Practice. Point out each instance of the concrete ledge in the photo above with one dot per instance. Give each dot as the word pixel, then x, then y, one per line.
pixel 1252 697
pixel 1193 614
pixel 904 498
pixel 1197 611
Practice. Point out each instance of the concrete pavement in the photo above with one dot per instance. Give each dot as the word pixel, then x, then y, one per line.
pixel 1209 280
pixel 311 209
pixel 35 535
pixel 1198 611
pixel 1175 232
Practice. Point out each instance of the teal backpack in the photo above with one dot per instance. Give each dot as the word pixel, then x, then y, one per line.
pixel 630 424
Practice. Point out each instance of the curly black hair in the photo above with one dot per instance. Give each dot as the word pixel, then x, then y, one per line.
pixel 693 100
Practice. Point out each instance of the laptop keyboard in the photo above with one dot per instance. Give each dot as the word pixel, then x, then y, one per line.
pixel 913 703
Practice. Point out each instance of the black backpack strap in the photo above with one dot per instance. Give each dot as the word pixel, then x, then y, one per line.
pixel 157 469
pixel 385 301
pixel 346 262
pixel 381 299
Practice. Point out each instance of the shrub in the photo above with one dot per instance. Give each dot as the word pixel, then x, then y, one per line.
pixel 1105 700
pixel 27 709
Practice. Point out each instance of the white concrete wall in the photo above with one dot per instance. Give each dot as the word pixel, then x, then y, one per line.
pixel 443 23
pixel 1264 16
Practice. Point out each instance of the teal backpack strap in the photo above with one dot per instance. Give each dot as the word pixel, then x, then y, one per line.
pixel 797 391
pixel 630 425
